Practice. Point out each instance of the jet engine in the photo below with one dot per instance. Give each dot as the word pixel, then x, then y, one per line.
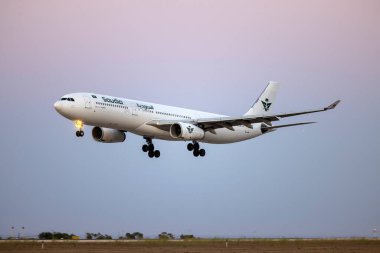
pixel 107 135
pixel 186 131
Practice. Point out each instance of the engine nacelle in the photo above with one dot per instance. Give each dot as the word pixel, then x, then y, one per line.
pixel 107 135
pixel 186 131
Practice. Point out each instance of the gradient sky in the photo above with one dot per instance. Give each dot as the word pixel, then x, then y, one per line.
pixel 217 56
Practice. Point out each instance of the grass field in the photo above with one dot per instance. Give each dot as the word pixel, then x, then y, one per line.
pixel 196 246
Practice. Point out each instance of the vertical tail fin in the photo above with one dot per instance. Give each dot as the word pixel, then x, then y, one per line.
pixel 264 103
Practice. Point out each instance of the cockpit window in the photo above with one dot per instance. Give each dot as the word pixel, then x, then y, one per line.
pixel 93 96
pixel 68 99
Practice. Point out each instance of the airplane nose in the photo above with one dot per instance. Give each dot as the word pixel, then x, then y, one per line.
pixel 58 106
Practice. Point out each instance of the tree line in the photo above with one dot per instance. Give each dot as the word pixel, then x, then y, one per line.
pixel 55 235
pixel 99 236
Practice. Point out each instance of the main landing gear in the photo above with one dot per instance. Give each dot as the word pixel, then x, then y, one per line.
pixel 79 126
pixel 149 147
pixel 195 148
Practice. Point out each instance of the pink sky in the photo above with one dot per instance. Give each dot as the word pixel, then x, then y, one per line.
pixel 180 37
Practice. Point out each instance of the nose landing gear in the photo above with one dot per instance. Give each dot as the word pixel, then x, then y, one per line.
pixel 196 149
pixel 149 147
pixel 79 126
pixel 79 133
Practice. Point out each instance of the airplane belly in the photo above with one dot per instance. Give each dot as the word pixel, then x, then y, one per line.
pixel 154 132
pixel 222 135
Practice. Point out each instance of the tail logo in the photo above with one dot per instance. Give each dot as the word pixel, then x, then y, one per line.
pixel 190 129
pixel 266 104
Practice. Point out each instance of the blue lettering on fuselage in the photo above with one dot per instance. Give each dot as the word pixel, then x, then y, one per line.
pixel 112 100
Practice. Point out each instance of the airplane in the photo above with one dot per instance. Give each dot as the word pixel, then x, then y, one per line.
pixel 112 117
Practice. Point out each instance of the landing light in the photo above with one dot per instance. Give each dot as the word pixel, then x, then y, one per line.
pixel 78 124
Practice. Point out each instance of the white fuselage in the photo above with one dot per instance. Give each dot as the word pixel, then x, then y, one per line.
pixel 133 116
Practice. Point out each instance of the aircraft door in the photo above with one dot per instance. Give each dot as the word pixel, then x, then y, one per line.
pixel 87 102
pixel 127 109
pixel 134 110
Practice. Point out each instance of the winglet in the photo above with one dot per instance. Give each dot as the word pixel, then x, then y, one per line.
pixel 333 105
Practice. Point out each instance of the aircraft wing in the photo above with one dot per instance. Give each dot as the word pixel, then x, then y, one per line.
pixel 209 124
pixel 330 107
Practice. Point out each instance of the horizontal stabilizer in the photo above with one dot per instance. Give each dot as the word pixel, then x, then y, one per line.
pixel 288 125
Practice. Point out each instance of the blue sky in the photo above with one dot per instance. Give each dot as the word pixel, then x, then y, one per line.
pixel 217 56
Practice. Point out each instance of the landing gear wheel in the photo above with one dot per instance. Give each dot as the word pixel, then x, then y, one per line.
pixel 196 146
pixel 77 133
pixel 202 152
pixel 196 152
pixel 149 147
pixel 190 147
pixel 81 133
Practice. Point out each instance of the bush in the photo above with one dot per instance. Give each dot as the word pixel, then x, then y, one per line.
pixel 187 237
pixel 133 236
pixel 98 236
pixel 165 236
